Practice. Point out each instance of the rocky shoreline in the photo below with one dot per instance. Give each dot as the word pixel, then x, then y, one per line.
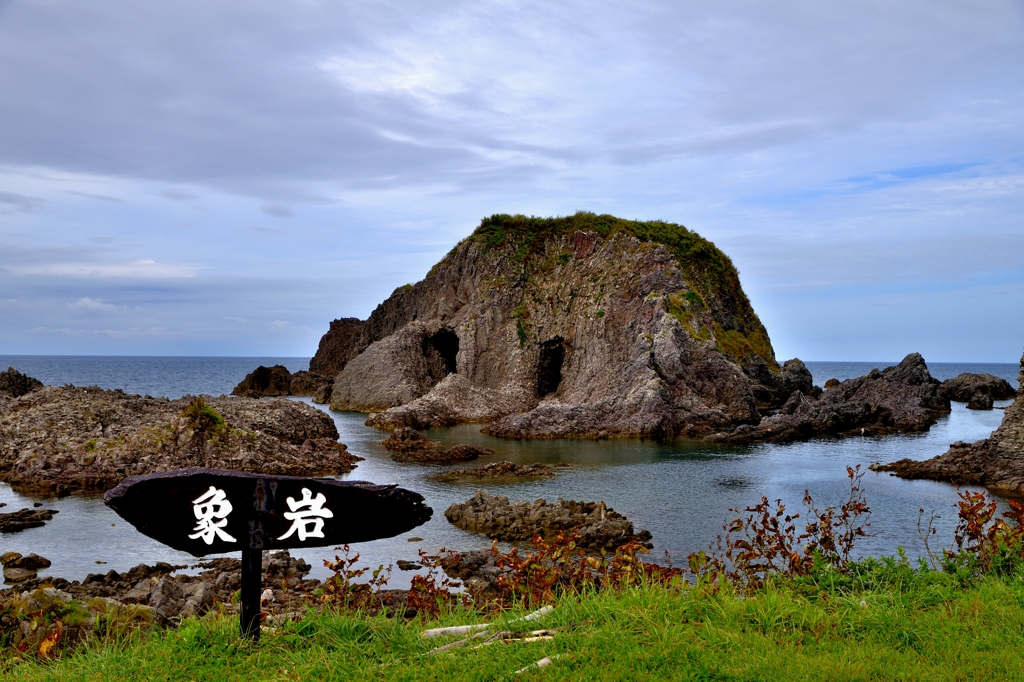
pixel 59 440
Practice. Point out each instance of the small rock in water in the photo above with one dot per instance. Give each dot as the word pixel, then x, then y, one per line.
pixel 100 562
pixel 37 504
pixel 415 539
pixel 25 518
pixel 404 565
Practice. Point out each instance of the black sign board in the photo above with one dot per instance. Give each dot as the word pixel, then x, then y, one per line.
pixel 211 511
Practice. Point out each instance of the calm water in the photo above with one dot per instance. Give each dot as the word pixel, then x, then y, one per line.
pixel 681 491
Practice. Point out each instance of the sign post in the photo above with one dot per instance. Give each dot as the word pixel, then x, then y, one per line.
pixel 212 511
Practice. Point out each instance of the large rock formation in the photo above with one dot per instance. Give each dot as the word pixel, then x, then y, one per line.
pixel 996 462
pixel 585 326
pixel 904 397
pixel 67 438
pixel 341 343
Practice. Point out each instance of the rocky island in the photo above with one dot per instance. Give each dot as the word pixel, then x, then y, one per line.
pixel 591 326
pixel 66 439
pixel 996 462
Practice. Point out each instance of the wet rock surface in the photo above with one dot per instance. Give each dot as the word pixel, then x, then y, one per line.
pixel 22 519
pixel 18 568
pixel 496 517
pixel 409 445
pixel 66 439
pixel 569 328
pixel 279 381
pixel 996 462
pixel 498 472
pixel 904 397
pixel 14 384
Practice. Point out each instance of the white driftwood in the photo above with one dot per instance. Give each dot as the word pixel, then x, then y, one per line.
pixel 542 663
pixel 470 629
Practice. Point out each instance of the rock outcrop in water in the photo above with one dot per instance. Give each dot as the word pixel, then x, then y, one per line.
pixel 977 390
pixel 64 439
pixel 279 381
pixel 501 472
pixel 409 445
pixel 496 517
pixel 904 397
pixel 996 462
pixel 23 519
pixel 587 326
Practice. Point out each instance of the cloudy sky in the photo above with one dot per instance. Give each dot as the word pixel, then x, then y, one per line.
pixel 224 178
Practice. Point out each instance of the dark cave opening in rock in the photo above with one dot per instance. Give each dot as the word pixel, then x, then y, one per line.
pixel 549 366
pixel 440 350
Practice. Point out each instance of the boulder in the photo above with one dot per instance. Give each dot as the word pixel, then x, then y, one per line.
pixel 996 462
pixel 15 384
pixel 494 516
pixel 900 398
pixel 980 401
pixel 964 387
pixel 94 438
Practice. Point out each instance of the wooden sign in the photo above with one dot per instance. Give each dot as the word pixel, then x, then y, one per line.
pixel 212 511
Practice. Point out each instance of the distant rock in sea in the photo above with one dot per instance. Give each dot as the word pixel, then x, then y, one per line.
pixel 977 390
pixel 996 462
pixel 279 381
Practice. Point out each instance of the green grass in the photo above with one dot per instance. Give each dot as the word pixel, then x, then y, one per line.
pixel 912 625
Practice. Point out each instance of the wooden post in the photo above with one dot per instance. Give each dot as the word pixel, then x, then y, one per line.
pixel 252 586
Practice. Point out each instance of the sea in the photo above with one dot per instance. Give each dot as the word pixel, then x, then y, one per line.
pixel 682 491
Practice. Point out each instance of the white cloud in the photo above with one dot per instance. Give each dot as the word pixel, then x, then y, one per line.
pixel 89 305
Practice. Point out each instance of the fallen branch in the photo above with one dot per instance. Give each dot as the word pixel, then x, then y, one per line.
pixel 469 629
pixel 542 663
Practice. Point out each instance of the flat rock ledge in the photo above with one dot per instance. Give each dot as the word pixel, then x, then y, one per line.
pixel 494 516
pixel 996 462
pixel 23 519
pixel 59 440
pixel 902 398
pixel 409 445
pixel 499 472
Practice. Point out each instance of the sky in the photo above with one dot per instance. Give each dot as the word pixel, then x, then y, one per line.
pixel 224 178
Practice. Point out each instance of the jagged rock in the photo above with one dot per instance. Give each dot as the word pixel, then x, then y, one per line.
pixel 497 472
pixel 339 345
pixel 964 387
pixel 278 381
pixel 586 326
pixel 996 462
pixel 496 517
pixel 900 398
pixel 14 522
pixel 409 445
pixel 63 439
pixel 15 384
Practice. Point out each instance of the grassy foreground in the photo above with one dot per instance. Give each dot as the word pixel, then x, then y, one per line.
pixel 927 628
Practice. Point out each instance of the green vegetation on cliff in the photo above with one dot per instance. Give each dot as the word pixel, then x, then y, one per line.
pixel 711 275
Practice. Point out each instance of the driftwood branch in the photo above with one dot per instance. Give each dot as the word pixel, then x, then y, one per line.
pixel 470 629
